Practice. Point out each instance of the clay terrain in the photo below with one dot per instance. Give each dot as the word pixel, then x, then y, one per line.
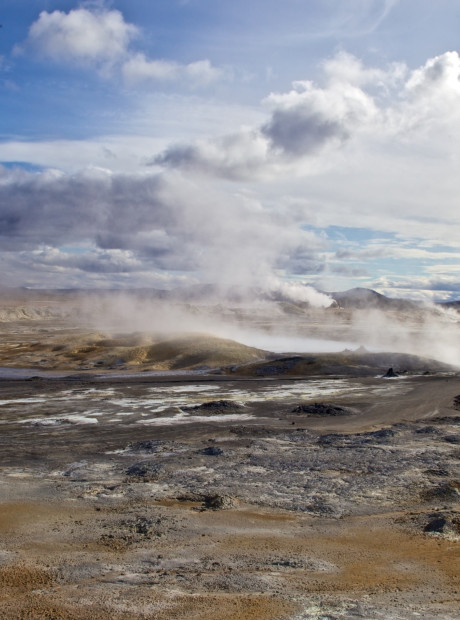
pixel 181 474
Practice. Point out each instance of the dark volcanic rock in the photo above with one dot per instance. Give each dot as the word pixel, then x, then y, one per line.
pixel 279 367
pixel 383 433
pixel 442 523
pixel 437 524
pixel 427 430
pixel 456 402
pixel 145 471
pixel 322 409
pixel 390 374
pixel 256 431
pixel 442 473
pixel 212 451
pixel 218 502
pixel 452 438
pixel 214 407
pixel 331 439
pixel 443 492
pixel 149 445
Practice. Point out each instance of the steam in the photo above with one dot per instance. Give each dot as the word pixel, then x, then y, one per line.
pixel 429 333
pixel 426 332
pixel 301 293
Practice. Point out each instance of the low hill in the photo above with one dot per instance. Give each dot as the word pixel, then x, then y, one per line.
pixel 131 352
pixel 364 298
pixel 358 363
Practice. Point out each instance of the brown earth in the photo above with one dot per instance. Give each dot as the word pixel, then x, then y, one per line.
pixel 113 505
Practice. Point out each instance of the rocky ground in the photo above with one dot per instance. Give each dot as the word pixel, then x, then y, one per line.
pixel 235 485
pixel 216 497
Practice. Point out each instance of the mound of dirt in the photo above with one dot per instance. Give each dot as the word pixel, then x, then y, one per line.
pixel 214 407
pixel 359 363
pixel 322 409
pixel 96 350
pixel 194 351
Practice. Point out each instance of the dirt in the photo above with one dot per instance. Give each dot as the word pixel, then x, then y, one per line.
pixel 224 496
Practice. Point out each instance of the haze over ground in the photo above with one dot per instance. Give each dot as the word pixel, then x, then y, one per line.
pixel 159 144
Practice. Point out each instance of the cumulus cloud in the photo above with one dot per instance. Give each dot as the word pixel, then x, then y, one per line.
pixel 238 156
pixel 303 123
pixel 438 78
pixel 373 107
pixel 308 117
pixel 82 35
pixel 101 37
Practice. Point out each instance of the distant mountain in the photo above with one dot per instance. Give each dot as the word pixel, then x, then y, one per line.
pixel 365 298
pixel 450 304
pixel 199 293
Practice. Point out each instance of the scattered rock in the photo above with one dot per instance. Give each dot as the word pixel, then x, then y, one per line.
pixel 383 433
pixel 452 438
pixel 149 445
pixel 446 523
pixel 446 420
pixel 390 374
pixel 442 473
pixel 218 502
pixel 436 525
pixel 145 471
pixel 214 407
pixel 449 491
pixel 322 409
pixel 428 430
pixel 212 451
pixel 331 439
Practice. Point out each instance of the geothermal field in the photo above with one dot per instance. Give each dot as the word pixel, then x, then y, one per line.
pixel 183 457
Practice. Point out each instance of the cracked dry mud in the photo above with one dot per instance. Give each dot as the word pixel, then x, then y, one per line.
pixel 224 498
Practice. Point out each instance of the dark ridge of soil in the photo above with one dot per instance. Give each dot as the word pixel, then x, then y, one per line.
pixel 322 409
pixel 214 407
pixel 360 363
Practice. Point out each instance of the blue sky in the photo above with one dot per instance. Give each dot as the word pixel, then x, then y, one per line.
pixel 167 142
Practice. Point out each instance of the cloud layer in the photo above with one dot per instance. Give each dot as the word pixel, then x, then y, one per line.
pixel 105 223
pixel 281 193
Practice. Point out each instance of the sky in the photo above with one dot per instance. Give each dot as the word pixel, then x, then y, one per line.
pixel 161 143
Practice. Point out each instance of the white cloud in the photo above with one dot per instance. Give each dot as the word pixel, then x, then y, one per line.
pixel 357 110
pixel 101 38
pixel 365 147
pixel 369 148
pixel 304 123
pixel 393 250
pixel 82 35
pixel 139 69
pixel 443 286
pixel 308 118
pixel 437 79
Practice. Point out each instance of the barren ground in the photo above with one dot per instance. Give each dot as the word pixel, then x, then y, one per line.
pixel 225 496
